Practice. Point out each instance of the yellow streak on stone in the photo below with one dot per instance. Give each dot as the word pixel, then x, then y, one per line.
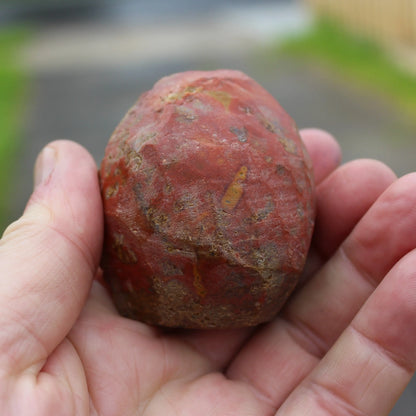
pixel 222 97
pixel 198 285
pixel 176 96
pixel 235 190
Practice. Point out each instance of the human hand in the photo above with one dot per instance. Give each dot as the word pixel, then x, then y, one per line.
pixel 344 344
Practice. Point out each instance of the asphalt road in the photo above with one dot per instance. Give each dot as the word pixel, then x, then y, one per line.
pixel 85 76
pixel 137 11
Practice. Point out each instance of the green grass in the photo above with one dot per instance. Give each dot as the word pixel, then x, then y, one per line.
pixel 357 59
pixel 13 83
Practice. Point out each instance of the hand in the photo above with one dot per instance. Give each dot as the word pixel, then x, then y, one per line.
pixel 345 344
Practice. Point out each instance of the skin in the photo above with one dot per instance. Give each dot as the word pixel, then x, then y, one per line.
pixel 344 344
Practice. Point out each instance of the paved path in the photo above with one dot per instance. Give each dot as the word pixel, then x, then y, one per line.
pixel 85 77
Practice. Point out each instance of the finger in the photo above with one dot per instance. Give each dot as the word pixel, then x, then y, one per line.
pixel 324 151
pixel 313 319
pixel 49 257
pixel 349 277
pixel 344 197
pixel 372 362
pixel 221 345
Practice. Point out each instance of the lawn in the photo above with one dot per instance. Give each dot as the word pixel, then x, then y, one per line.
pixel 13 84
pixel 356 59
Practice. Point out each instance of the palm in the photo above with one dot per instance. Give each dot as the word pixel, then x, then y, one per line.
pixel 334 349
pixel 134 369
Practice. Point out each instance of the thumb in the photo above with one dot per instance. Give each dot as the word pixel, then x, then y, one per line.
pixel 49 257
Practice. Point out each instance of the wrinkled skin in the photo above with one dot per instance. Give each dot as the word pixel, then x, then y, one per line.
pixel 343 345
pixel 208 200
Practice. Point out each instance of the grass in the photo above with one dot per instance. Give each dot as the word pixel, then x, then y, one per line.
pixel 13 83
pixel 357 59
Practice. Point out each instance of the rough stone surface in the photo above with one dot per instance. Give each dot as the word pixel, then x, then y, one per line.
pixel 208 200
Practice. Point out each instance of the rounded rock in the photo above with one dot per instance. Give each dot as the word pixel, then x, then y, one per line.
pixel 208 199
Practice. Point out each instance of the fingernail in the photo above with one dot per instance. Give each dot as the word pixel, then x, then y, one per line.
pixel 45 165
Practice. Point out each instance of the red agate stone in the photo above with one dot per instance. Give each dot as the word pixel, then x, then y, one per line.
pixel 209 204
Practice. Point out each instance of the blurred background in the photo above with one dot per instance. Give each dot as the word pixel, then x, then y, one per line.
pixel 72 68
